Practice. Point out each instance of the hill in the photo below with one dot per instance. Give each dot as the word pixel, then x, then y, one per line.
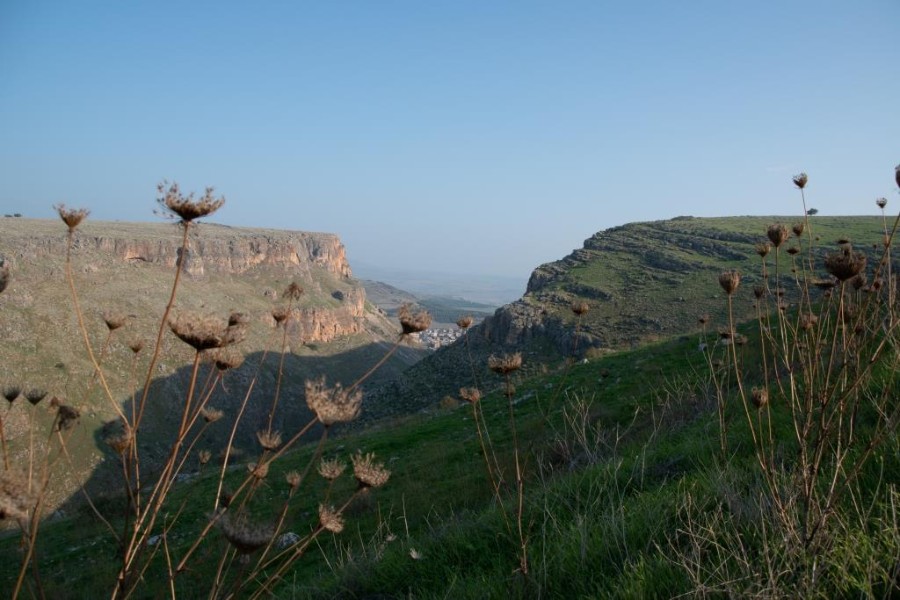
pixel 641 281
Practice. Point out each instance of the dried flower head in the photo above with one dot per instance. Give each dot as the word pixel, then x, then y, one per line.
pixel 800 180
pixel 759 396
pixel 859 281
pixel 465 322
pixel 293 291
pixel 730 280
pixel 330 519
pixel 368 472
pixel 505 364
pixel 259 470
pixel 237 318
pixel 332 405
pixel 808 321
pixel 411 322
pixel 203 333
pixel 4 276
pixel 845 264
pixel 211 415
pixel 203 456
pixel 15 498
pixel 897 174
pixel 120 442
pixel 763 248
pixel 579 307
pixel 793 250
pixel 35 395
pixel 225 358
pixel 72 217
pixel 66 416
pixel 188 209
pixel 798 228
pixel 759 291
pixel 470 394
pixel 281 314
pixel 270 440
pixel 881 202
pixel 244 536
pixel 777 234
pixel 331 469
pixel 114 320
pixel 136 345
pixel 11 392
pixel 293 479
pixel 703 319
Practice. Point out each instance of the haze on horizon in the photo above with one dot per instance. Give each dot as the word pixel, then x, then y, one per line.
pixel 455 137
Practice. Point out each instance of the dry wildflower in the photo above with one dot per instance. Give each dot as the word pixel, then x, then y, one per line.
pixel 114 320
pixel 726 335
pixel 793 250
pixel 465 322
pixel 415 554
pixel 411 322
pixel 330 519
pixel 244 536
pixel 186 207
pixel 259 470
pixel 845 264
pixel 703 319
pixel 211 415
pixel 579 307
pixel 11 392
pixel 204 333
pixel 367 472
pixel 293 479
pixel 331 469
pixel 897 174
pixel 808 321
pixel 4 276
pixel 763 248
pixel 859 281
pixel 759 291
pixel 66 416
pixel 35 395
pixel 777 234
pixel 281 314
pixel 332 405
pixel 881 202
pixel 225 358
pixel 800 180
pixel 798 228
pixel 293 291
pixel 505 364
pixel 270 440
pixel 470 394
pixel 237 318
pixel 136 345
pixel 15 499
pixel 760 397
pixel 730 280
pixel 203 456
pixel 72 217
pixel 120 442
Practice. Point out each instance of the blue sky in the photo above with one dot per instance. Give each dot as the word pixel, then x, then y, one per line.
pixel 483 137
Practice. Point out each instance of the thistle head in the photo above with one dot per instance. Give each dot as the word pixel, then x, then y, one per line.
pixel 293 291
pixel 505 364
pixel 579 307
pixel 777 234
pixel 185 207
pixel 800 180
pixel 367 472
pixel 211 415
pixel 845 264
pixel 881 203
pixel 114 320
pixel 11 392
pixel 760 397
pixel 35 395
pixel 798 228
pixel 465 322
pixel 331 469
pixel 244 536
pixel 332 404
pixel 269 440
pixel 330 519
pixel 763 248
pixel 204 333
pixel 203 457
pixel 72 217
pixel 413 322
pixel 470 394
pixel 730 280
pixel 759 291
pixel 293 479
pixel 793 250
pixel 136 345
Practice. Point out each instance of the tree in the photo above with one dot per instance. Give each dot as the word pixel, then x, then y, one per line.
pixel 812 211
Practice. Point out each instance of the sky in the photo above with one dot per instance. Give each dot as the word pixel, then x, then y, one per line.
pixel 467 136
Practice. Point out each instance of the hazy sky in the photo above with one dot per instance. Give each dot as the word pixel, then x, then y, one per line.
pixel 456 136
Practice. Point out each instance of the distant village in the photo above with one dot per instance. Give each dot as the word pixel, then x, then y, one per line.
pixel 432 339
